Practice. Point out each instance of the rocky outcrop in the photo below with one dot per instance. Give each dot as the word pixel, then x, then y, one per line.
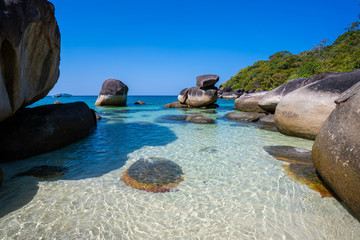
pixel 113 93
pixel 249 102
pixel 206 81
pixel 29 53
pixel 271 100
pixel 183 95
pixel 200 97
pixel 244 116
pixel 228 93
pixel 43 129
pixel 199 119
pixel 302 112
pixel 176 105
pixel 336 150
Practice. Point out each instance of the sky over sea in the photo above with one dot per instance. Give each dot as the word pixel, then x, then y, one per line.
pixel 158 47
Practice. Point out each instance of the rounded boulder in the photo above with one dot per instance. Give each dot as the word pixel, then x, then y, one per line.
pixel 249 102
pixel 199 97
pixel 113 93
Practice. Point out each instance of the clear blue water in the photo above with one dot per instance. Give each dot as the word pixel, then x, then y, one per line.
pixel 232 188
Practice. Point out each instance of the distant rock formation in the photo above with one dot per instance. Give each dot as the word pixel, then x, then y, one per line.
pixel 336 149
pixel 44 129
pixel 228 93
pixel 140 103
pixel 29 53
pixel 113 93
pixel 302 112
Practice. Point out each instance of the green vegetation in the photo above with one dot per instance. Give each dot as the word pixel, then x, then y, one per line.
pixel 341 56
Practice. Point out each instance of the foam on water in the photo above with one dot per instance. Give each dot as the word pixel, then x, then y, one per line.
pixel 232 188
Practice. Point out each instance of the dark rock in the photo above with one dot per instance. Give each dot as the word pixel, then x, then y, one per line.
pixel 176 105
pixel 199 97
pixel 1 176
pixel 113 93
pixel 153 175
pixel 244 116
pixel 200 119
pixel 172 118
pixel 140 103
pixel 227 89
pixel 206 81
pixel 336 150
pixel 44 129
pixel 302 112
pixel 267 122
pixel 183 95
pixel 45 172
pixel 290 154
pixel 29 53
pixel 249 102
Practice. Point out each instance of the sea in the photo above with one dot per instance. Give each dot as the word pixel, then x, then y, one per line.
pixel 232 188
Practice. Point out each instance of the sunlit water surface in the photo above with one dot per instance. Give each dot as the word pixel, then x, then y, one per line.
pixel 232 188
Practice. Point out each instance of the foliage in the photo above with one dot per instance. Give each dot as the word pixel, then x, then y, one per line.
pixel 341 56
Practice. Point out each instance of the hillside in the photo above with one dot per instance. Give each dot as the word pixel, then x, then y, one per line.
pixel 341 56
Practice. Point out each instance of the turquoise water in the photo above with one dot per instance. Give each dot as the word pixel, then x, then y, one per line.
pixel 232 188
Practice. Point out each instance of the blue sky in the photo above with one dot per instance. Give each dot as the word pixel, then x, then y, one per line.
pixel 158 47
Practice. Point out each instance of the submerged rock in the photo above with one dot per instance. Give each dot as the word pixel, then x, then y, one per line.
pixel 206 81
pixel 200 119
pixel 32 131
pixel 44 172
pixel 302 112
pixel 290 154
pixel 249 102
pixel 113 93
pixel 29 53
pixel 172 118
pixel 336 149
pixel 244 116
pixel 153 175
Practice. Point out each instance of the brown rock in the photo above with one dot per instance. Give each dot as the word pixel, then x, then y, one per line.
pixel 29 53
pixel 176 105
pixel 140 103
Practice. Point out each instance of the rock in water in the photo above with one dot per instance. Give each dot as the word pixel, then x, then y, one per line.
pixel 176 105
pixel 302 112
pixel 183 95
pixel 44 129
pixel 45 172
pixel 206 81
pixel 244 116
pixel 1 176
pixel 336 150
pixel 290 154
pixel 198 97
pixel 153 175
pixel 29 53
pixel 140 103
pixel 249 102
pixel 113 93
pixel 197 118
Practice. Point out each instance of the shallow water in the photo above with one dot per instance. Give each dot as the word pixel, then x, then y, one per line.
pixel 232 188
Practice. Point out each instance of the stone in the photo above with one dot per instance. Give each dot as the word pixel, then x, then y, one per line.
pixel 29 53
pixel 57 102
pixel 1 176
pixel 244 116
pixel 230 95
pixel 199 97
pixel 267 122
pixel 171 118
pixel 157 175
pixel 43 129
pixel 227 89
pixel 176 105
pixel 206 81
pixel 183 95
pixel 45 172
pixel 197 118
pixel 290 154
pixel 249 102
pixel 336 150
pixel 113 93
pixel 140 103
pixel 302 112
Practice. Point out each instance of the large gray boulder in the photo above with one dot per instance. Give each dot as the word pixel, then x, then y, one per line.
pixel 32 131
pixel 206 81
pixel 200 97
pixel 183 95
pixel 250 102
pixel 29 53
pixel 271 100
pixel 302 112
pixel 336 150
pixel 113 93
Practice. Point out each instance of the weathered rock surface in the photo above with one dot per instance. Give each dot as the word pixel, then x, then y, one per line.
pixel 183 95
pixel 230 95
pixel 249 102
pixel 336 150
pixel 244 116
pixel 29 53
pixel 206 81
pixel 176 105
pixel 290 154
pixel 113 93
pixel 43 129
pixel 271 100
pixel 200 119
pixel 302 112
pixel 267 122
pixel 200 97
